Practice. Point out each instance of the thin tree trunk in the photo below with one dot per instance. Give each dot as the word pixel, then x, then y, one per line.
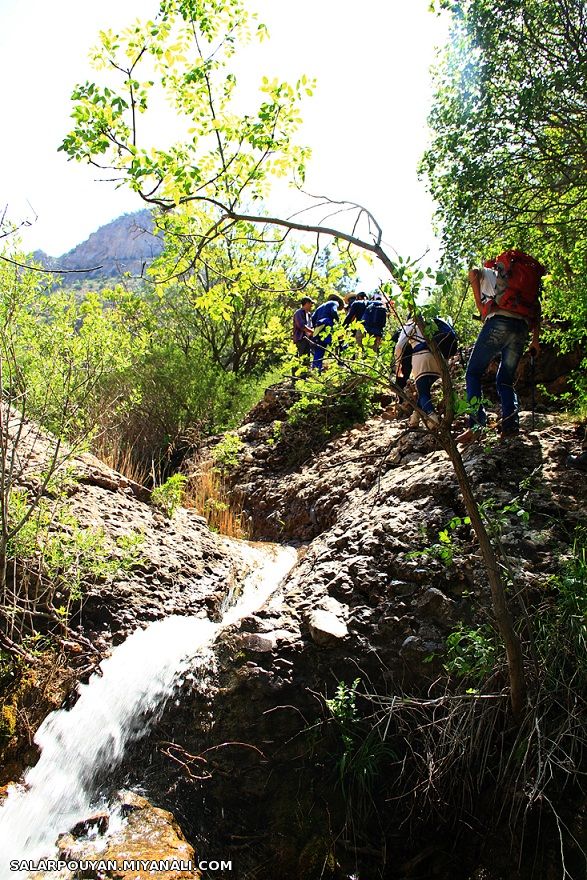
pixel 498 597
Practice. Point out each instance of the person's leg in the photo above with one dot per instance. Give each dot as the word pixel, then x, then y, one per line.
pixel 304 348
pixel 510 358
pixel 491 339
pixel 321 343
pixel 423 386
pixel 318 358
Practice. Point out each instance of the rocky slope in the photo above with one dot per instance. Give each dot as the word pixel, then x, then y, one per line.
pixel 180 568
pixel 256 765
pixel 373 599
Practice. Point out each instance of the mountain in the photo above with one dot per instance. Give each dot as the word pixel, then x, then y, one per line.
pixel 125 245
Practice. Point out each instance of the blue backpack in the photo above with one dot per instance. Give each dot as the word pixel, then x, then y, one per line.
pixel 375 319
pixel 446 338
pixel 326 314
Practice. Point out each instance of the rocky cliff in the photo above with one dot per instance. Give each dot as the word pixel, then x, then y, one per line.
pixel 391 569
pixel 127 244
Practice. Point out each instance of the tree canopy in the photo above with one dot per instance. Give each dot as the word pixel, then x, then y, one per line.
pixel 506 165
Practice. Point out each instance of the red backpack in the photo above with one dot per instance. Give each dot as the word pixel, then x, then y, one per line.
pixel 518 284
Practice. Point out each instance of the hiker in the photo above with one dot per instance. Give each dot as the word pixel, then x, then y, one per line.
pixel 303 327
pixel 354 315
pixel 507 295
pixel 375 318
pixel 425 370
pixel 324 319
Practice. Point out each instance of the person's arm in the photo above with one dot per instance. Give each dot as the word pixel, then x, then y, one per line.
pixel 475 282
pixel 350 315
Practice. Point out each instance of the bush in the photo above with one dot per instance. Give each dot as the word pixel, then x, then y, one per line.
pixel 327 405
pixel 168 496
pixel 52 557
pixel 472 653
pixel 561 624
pixel 225 453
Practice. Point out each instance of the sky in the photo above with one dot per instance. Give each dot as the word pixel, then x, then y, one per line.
pixel 366 123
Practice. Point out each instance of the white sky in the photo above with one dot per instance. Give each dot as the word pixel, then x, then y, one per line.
pixel 366 123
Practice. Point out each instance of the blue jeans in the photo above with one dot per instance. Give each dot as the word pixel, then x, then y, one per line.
pixel 503 336
pixel 423 385
pixel 320 342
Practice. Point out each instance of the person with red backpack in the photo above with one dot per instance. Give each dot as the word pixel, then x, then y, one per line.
pixel 507 294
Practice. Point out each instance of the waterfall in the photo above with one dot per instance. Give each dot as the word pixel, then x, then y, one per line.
pixel 78 746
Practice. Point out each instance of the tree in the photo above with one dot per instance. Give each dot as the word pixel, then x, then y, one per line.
pixel 224 167
pixel 49 367
pixel 237 293
pixel 506 165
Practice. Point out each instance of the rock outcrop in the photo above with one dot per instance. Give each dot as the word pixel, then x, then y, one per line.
pixel 126 245
pixel 181 566
pixel 374 598
pixel 142 841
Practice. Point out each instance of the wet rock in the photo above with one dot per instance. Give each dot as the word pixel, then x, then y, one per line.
pixel 148 835
pixel 98 823
pixel 260 642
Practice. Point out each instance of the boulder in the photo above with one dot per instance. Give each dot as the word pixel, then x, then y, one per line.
pixel 147 843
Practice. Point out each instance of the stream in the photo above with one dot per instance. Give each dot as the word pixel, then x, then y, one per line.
pixel 82 745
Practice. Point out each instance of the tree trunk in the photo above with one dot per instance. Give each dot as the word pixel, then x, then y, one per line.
pixel 498 597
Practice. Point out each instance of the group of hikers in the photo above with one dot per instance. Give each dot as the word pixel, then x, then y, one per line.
pixel 507 294
pixel 312 329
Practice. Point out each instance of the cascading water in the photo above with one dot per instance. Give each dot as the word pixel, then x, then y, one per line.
pixel 78 746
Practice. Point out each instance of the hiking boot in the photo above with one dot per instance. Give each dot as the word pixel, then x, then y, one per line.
pixel 414 420
pixel 579 462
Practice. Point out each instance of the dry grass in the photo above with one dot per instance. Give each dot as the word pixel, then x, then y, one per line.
pixel 206 492
pixel 120 458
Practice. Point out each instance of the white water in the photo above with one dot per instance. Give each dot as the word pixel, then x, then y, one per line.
pixel 80 745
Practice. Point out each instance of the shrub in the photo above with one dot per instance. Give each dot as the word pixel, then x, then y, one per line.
pixel 225 453
pixel 168 496
pixel 328 404
pixel 471 652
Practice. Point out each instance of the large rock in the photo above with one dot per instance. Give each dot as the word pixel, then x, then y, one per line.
pixel 182 567
pixel 147 842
